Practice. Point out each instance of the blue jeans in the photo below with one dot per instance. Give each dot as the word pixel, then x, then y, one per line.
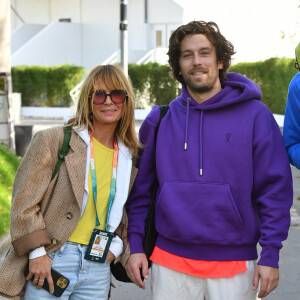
pixel 88 280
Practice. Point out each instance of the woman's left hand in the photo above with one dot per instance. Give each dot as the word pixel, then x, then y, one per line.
pixel 110 257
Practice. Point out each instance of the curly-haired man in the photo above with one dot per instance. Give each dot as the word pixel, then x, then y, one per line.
pixel 224 178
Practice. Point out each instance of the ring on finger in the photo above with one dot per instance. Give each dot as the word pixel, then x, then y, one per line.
pixel 41 280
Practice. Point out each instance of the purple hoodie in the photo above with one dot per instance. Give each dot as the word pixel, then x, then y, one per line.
pixel 224 178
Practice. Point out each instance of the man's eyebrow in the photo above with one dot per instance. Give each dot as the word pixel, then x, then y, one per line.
pixel 206 48
pixel 201 49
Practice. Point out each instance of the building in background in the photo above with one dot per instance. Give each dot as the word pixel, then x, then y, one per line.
pixel 7 131
pixel 86 32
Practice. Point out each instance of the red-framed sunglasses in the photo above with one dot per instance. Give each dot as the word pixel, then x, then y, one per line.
pixel 116 96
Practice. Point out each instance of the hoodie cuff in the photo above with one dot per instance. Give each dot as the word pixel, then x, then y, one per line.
pixel 269 257
pixel 37 252
pixel 116 246
pixel 136 243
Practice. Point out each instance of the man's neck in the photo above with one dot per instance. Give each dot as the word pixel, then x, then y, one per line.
pixel 202 97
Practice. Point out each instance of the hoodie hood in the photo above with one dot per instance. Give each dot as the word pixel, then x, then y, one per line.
pixel 237 88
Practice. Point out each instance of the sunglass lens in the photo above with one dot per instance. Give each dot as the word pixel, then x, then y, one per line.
pixel 118 96
pixel 99 97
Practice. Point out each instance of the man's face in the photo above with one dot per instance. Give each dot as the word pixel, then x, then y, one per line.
pixel 199 67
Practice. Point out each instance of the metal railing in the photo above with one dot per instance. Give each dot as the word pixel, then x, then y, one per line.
pixel 74 93
pixel 155 55
pixel 113 59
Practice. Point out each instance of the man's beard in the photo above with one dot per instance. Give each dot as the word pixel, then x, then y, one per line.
pixel 199 87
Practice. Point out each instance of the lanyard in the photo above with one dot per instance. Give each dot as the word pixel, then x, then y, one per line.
pixel 112 183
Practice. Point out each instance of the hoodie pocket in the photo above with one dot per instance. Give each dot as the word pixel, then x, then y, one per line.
pixel 198 212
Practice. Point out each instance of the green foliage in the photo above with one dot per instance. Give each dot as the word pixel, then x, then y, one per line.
pixel 297 51
pixel 152 84
pixel 46 86
pixel 163 89
pixel 8 166
pixel 2 85
pixel 273 77
pixel 139 78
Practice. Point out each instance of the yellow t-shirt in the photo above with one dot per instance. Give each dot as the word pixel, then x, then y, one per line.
pixel 86 224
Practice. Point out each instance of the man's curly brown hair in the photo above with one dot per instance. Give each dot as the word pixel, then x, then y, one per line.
pixel 224 48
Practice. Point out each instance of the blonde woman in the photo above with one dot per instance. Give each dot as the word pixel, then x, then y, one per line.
pixel 53 222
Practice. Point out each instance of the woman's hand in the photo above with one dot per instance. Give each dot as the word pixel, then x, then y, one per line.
pixel 110 257
pixel 39 270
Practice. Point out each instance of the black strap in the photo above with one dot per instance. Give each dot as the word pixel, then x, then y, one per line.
pixel 163 110
pixel 64 149
pixel 297 64
pixel 150 231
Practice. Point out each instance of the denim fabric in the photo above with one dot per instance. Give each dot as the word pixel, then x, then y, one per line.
pixel 88 280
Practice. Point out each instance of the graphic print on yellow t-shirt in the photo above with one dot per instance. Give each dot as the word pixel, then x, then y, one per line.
pixel 86 224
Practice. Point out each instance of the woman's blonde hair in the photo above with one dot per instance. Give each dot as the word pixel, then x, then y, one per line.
pixel 112 77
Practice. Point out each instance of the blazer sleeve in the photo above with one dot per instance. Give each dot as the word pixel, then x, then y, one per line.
pixel 28 229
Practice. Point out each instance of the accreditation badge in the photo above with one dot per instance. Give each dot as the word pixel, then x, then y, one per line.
pixel 98 245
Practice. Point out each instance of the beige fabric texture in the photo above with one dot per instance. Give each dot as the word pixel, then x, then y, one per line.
pixel 40 209
pixel 170 284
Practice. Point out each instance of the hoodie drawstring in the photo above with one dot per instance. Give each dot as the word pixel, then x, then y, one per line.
pixel 188 100
pixel 201 143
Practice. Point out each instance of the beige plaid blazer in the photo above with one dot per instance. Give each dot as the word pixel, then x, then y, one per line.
pixel 44 214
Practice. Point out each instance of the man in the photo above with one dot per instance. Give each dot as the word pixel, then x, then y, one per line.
pixel 224 180
pixel 291 128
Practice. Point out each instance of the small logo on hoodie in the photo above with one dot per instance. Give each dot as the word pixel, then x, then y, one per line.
pixel 228 136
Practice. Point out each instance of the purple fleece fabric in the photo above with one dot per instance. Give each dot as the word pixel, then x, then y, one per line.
pixel 245 192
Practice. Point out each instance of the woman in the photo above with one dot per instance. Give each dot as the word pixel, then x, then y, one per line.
pixel 53 221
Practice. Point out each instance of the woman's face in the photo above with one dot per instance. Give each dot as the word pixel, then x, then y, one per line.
pixel 111 111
